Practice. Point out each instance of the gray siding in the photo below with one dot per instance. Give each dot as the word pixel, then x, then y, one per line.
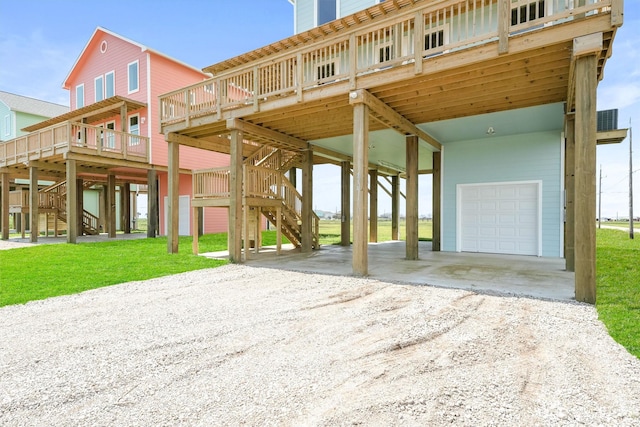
pixel 304 15
pixel 526 157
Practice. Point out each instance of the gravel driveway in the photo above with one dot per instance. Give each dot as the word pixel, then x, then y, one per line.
pixel 242 345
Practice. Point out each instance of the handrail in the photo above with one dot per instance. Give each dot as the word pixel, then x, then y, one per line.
pixel 71 136
pixel 378 46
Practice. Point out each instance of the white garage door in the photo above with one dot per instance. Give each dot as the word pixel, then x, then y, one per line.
pixel 499 218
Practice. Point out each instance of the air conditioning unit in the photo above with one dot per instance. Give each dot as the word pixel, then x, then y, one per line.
pixel 607 120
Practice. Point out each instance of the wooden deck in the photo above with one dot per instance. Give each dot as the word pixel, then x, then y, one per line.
pixel 464 58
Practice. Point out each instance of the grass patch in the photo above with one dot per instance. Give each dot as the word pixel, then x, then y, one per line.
pixel 330 231
pixel 618 292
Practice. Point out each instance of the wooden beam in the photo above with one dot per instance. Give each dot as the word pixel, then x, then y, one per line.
pixel 235 200
pixel 395 207
pixel 4 212
pixel 345 204
pixel 79 183
pixel 360 260
pixel 436 201
pixel 504 20
pixel 194 229
pixel 111 205
pixel 72 202
pixel 307 201
pixel 263 132
pixel 152 203
pixel 373 205
pixel 569 185
pixel 412 197
pixel 390 117
pixel 173 199
pixel 585 179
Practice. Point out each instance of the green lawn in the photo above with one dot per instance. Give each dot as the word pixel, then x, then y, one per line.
pixel 330 231
pixel 618 278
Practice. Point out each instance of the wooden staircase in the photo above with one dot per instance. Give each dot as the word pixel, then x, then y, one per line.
pixel 54 199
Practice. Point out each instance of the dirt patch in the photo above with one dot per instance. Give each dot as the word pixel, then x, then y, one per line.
pixel 241 345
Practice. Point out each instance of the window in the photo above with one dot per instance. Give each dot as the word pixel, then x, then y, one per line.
pixel 325 11
pixel 386 53
pixel 326 70
pixel 109 84
pixel 134 84
pixel 525 13
pixel 7 124
pixel 134 129
pixel 99 88
pixel 434 40
pixel 80 96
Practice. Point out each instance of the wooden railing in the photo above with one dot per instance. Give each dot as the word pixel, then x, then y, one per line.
pixel 74 137
pixel 444 26
pixel 19 198
pixel 258 182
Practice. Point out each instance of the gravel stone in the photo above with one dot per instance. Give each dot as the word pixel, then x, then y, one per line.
pixel 238 345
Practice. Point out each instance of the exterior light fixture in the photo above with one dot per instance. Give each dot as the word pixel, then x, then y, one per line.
pixel 491 131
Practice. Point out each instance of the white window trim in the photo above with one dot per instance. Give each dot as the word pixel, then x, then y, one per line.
pixel 476 184
pixel 7 124
pixel 95 88
pixel 137 62
pixel 113 73
pixel 83 98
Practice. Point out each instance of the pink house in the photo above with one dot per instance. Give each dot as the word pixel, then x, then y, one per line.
pixel 112 134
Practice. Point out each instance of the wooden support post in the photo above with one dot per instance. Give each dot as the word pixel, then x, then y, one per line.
pixel 569 184
pixel 436 200
pixel 412 197
pixel 245 221
pixel 307 200
pixel 111 205
pixel 4 177
pixel 200 221
pixel 278 230
pixel 152 203
pixel 102 208
pixel 395 207
pixel 345 204
pixel 194 230
pixel 360 174
pixel 23 225
pixel 173 199
pixel 293 176
pixel 126 207
pixel 585 179
pixel 373 205
pixel 235 197
pixel 72 201
pixel 34 202
pixel 79 206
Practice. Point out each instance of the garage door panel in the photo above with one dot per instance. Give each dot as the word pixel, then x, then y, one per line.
pixel 500 218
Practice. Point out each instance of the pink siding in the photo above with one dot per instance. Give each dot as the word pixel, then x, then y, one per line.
pixel 165 75
pixel 215 220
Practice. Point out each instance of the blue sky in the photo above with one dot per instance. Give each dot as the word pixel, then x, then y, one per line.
pixel 41 39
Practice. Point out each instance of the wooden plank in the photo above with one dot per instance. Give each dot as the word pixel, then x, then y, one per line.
pixel 360 260
pixel 373 205
pixel 617 12
pixel 72 202
pixel 173 199
pixel 504 19
pixel 250 128
pixel 345 204
pixel 395 207
pixel 194 229
pixel 152 203
pixel 235 202
pixel 307 201
pixel 569 185
pixel 590 44
pixel 412 197
pixel 585 179
pixel 4 213
pixel 436 202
